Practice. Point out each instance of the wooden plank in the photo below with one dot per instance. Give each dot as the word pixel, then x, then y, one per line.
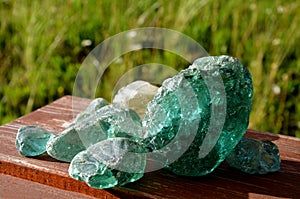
pixel 13 187
pixel 224 182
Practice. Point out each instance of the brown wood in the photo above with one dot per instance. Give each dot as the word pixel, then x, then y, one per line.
pixel 13 187
pixel 49 174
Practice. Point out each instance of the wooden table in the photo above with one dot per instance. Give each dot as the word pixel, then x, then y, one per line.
pixel 44 177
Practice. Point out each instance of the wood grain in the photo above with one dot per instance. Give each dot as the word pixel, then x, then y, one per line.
pixel 224 182
pixel 13 187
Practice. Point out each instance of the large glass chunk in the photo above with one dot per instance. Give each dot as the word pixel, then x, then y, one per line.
pixel 179 123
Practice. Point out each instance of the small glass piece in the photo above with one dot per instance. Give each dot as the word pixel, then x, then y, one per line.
pixel 255 156
pixel 32 140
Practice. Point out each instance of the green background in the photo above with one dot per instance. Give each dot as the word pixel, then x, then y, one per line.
pixel 41 48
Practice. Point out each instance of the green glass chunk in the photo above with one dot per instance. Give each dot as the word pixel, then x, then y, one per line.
pixel 94 105
pixel 86 168
pixel 255 156
pixel 136 96
pixel 65 145
pixel 180 115
pixel 32 140
pixel 107 122
pixel 107 164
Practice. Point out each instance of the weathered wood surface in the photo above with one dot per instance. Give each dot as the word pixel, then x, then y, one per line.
pixel 14 187
pixel 224 182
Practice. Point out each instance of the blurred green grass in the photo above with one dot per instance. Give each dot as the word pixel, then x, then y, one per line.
pixel 41 48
